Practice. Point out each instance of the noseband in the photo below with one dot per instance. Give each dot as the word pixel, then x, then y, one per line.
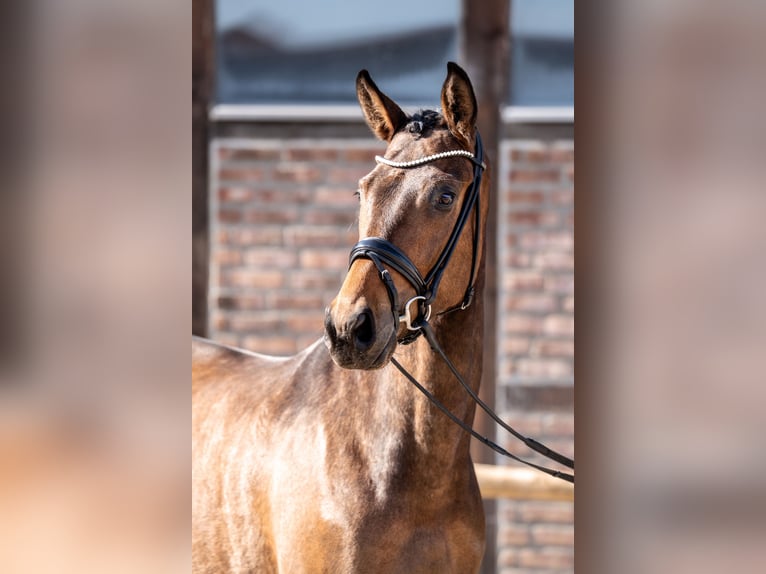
pixel 384 253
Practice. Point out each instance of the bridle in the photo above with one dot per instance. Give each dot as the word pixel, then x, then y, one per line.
pixel 383 253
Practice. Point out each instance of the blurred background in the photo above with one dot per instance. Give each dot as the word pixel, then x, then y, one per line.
pixel 669 249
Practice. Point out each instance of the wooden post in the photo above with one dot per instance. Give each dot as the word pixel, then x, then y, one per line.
pixel 202 95
pixel 521 484
pixel 484 48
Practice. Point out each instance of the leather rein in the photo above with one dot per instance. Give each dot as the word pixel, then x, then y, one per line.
pixel 383 253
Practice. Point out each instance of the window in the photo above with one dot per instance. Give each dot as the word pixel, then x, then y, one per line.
pixel 309 52
pixel 542 53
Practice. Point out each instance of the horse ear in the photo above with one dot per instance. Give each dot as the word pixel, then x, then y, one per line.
pixel 381 113
pixel 459 103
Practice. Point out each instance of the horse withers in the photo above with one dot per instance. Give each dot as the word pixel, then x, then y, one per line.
pixel 331 461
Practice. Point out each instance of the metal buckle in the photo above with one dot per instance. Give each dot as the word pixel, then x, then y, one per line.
pixel 406 318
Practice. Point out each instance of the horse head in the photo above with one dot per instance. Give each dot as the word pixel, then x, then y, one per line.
pixel 420 220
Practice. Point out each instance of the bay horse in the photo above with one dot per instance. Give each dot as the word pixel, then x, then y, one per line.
pixel 330 461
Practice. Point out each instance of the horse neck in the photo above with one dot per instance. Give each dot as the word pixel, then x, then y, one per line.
pixel 431 444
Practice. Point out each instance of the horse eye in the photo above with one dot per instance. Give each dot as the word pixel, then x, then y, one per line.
pixel 446 198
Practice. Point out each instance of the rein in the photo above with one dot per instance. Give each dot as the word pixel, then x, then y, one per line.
pixel 381 251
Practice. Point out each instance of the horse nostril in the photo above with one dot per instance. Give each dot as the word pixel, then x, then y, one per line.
pixel 363 330
pixel 329 327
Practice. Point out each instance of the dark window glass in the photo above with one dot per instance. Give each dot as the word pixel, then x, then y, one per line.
pixel 309 52
pixel 542 55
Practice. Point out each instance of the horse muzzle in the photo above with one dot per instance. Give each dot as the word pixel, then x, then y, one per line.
pixel 357 339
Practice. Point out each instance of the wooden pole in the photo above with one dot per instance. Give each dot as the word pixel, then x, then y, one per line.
pixel 521 484
pixel 484 48
pixel 202 95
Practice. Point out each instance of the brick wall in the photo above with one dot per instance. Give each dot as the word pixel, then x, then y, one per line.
pixel 536 341
pixel 283 220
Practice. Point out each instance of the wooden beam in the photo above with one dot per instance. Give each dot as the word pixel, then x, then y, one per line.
pixel 521 484
pixel 484 49
pixel 202 96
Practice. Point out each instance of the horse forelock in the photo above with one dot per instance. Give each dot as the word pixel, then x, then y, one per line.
pixel 423 122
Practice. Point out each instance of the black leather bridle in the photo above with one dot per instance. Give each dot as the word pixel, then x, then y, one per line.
pixel 383 253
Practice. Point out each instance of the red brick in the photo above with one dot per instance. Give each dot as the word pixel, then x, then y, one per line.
pixel 513 535
pixel 551 512
pixel 271 257
pixel 350 175
pixel 554 260
pixel 229 215
pixel 562 155
pixel 522 324
pixel 538 155
pixel 324 258
pixel 560 284
pixel 242 174
pixel 255 235
pixel 227 257
pixel 560 240
pixel 546 558
pixel 515 345
pixel 506 558
pixel 543 368
pixel 254 278
pixel 311 154
pixel 246 323
pixel 531 303
pixel 533 197
pixel 266 195
pixel 260 215
pixel 523 281
pixel 327 217
pixel 559 325
pixel 303 235
pixel 568 304
pixel 562 197
pixel 306 323
pixel 520 175
pixel 297 173
pixel 297 300
pixel 516 259
pixel 220 321
pixel 517 155
pixel 342 197
pixel 549 348
pixel 235 194
pixel 569 173
pixel 314 279
pixel 535 218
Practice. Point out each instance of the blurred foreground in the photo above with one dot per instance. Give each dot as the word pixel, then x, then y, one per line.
pixel 94 423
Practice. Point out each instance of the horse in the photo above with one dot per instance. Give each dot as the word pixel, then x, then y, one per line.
pixel 330 461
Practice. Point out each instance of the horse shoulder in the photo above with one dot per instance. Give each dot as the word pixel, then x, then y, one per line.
pixel 242 404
